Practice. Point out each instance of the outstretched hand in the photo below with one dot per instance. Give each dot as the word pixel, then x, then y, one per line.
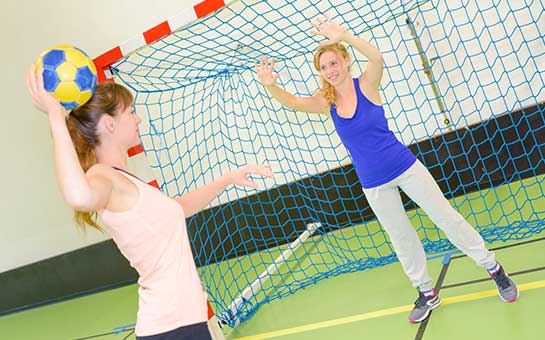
pixel 264 69
pixel 240 175
pixel 41 99
pixel 332 31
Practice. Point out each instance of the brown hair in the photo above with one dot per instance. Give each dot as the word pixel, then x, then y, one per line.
pixel 327 90
pixel 108 98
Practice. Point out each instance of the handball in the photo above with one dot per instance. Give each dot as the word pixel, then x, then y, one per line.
pixel 69 75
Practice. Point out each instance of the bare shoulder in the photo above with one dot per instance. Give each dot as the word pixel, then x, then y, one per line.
pixel 108 175
pixel 101 171
pixel 102 178
pixel 370 91
pixel 118 193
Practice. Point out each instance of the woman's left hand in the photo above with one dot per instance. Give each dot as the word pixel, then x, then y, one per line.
pixel 240 176
pixel 332 31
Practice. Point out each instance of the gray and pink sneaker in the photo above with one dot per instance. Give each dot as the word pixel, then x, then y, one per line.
pixel 506 287
pixel 423 306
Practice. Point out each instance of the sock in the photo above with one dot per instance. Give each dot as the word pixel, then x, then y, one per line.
pixel 494 269
pixel 429 292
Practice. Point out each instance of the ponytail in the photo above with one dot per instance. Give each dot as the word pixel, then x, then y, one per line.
pixel 87 158
pixel 82 123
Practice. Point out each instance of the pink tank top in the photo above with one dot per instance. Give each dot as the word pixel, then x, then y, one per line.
pixel 152 235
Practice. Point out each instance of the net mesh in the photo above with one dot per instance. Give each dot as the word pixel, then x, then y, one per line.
pixel 463 87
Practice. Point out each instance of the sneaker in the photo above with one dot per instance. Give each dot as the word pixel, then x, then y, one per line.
pixel 506 287
pixel 423 306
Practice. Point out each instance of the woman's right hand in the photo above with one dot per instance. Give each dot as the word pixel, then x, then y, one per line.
pixel 41 99
pixel 264 69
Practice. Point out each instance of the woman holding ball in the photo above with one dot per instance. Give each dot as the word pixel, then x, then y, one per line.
pixel 90 150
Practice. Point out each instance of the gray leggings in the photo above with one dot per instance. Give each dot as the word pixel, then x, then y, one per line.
pixel 419 185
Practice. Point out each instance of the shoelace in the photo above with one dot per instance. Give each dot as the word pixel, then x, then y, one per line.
pixel 502 280
pixel 422 299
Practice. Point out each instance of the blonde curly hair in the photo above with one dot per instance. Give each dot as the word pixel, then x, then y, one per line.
pixel 327 90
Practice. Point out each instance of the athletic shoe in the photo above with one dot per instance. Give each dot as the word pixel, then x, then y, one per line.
pixel 423 306
pixel 506 287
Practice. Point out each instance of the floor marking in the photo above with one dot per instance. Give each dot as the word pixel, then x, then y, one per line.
pixel 440 279
pixel 384 312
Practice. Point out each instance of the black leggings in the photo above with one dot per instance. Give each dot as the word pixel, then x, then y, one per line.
pixel 198 331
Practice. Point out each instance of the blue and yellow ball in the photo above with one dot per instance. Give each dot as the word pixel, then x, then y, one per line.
pixel 69 75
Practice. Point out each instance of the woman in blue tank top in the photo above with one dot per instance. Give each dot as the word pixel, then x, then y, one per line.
pixel 383 164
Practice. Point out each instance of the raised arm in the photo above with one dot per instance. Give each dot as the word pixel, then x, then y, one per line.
pixel 199 199
pixel 313 104
pixel 82 192
pixel 333 33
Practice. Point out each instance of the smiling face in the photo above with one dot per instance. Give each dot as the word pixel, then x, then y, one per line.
pixel 333 67
pixel 333 63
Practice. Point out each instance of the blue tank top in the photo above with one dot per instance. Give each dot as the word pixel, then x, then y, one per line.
pixel 376 153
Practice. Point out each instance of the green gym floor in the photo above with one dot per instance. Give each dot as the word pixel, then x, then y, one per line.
pixel 371 304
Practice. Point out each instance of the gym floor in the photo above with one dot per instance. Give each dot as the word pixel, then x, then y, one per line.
pixel 372 303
